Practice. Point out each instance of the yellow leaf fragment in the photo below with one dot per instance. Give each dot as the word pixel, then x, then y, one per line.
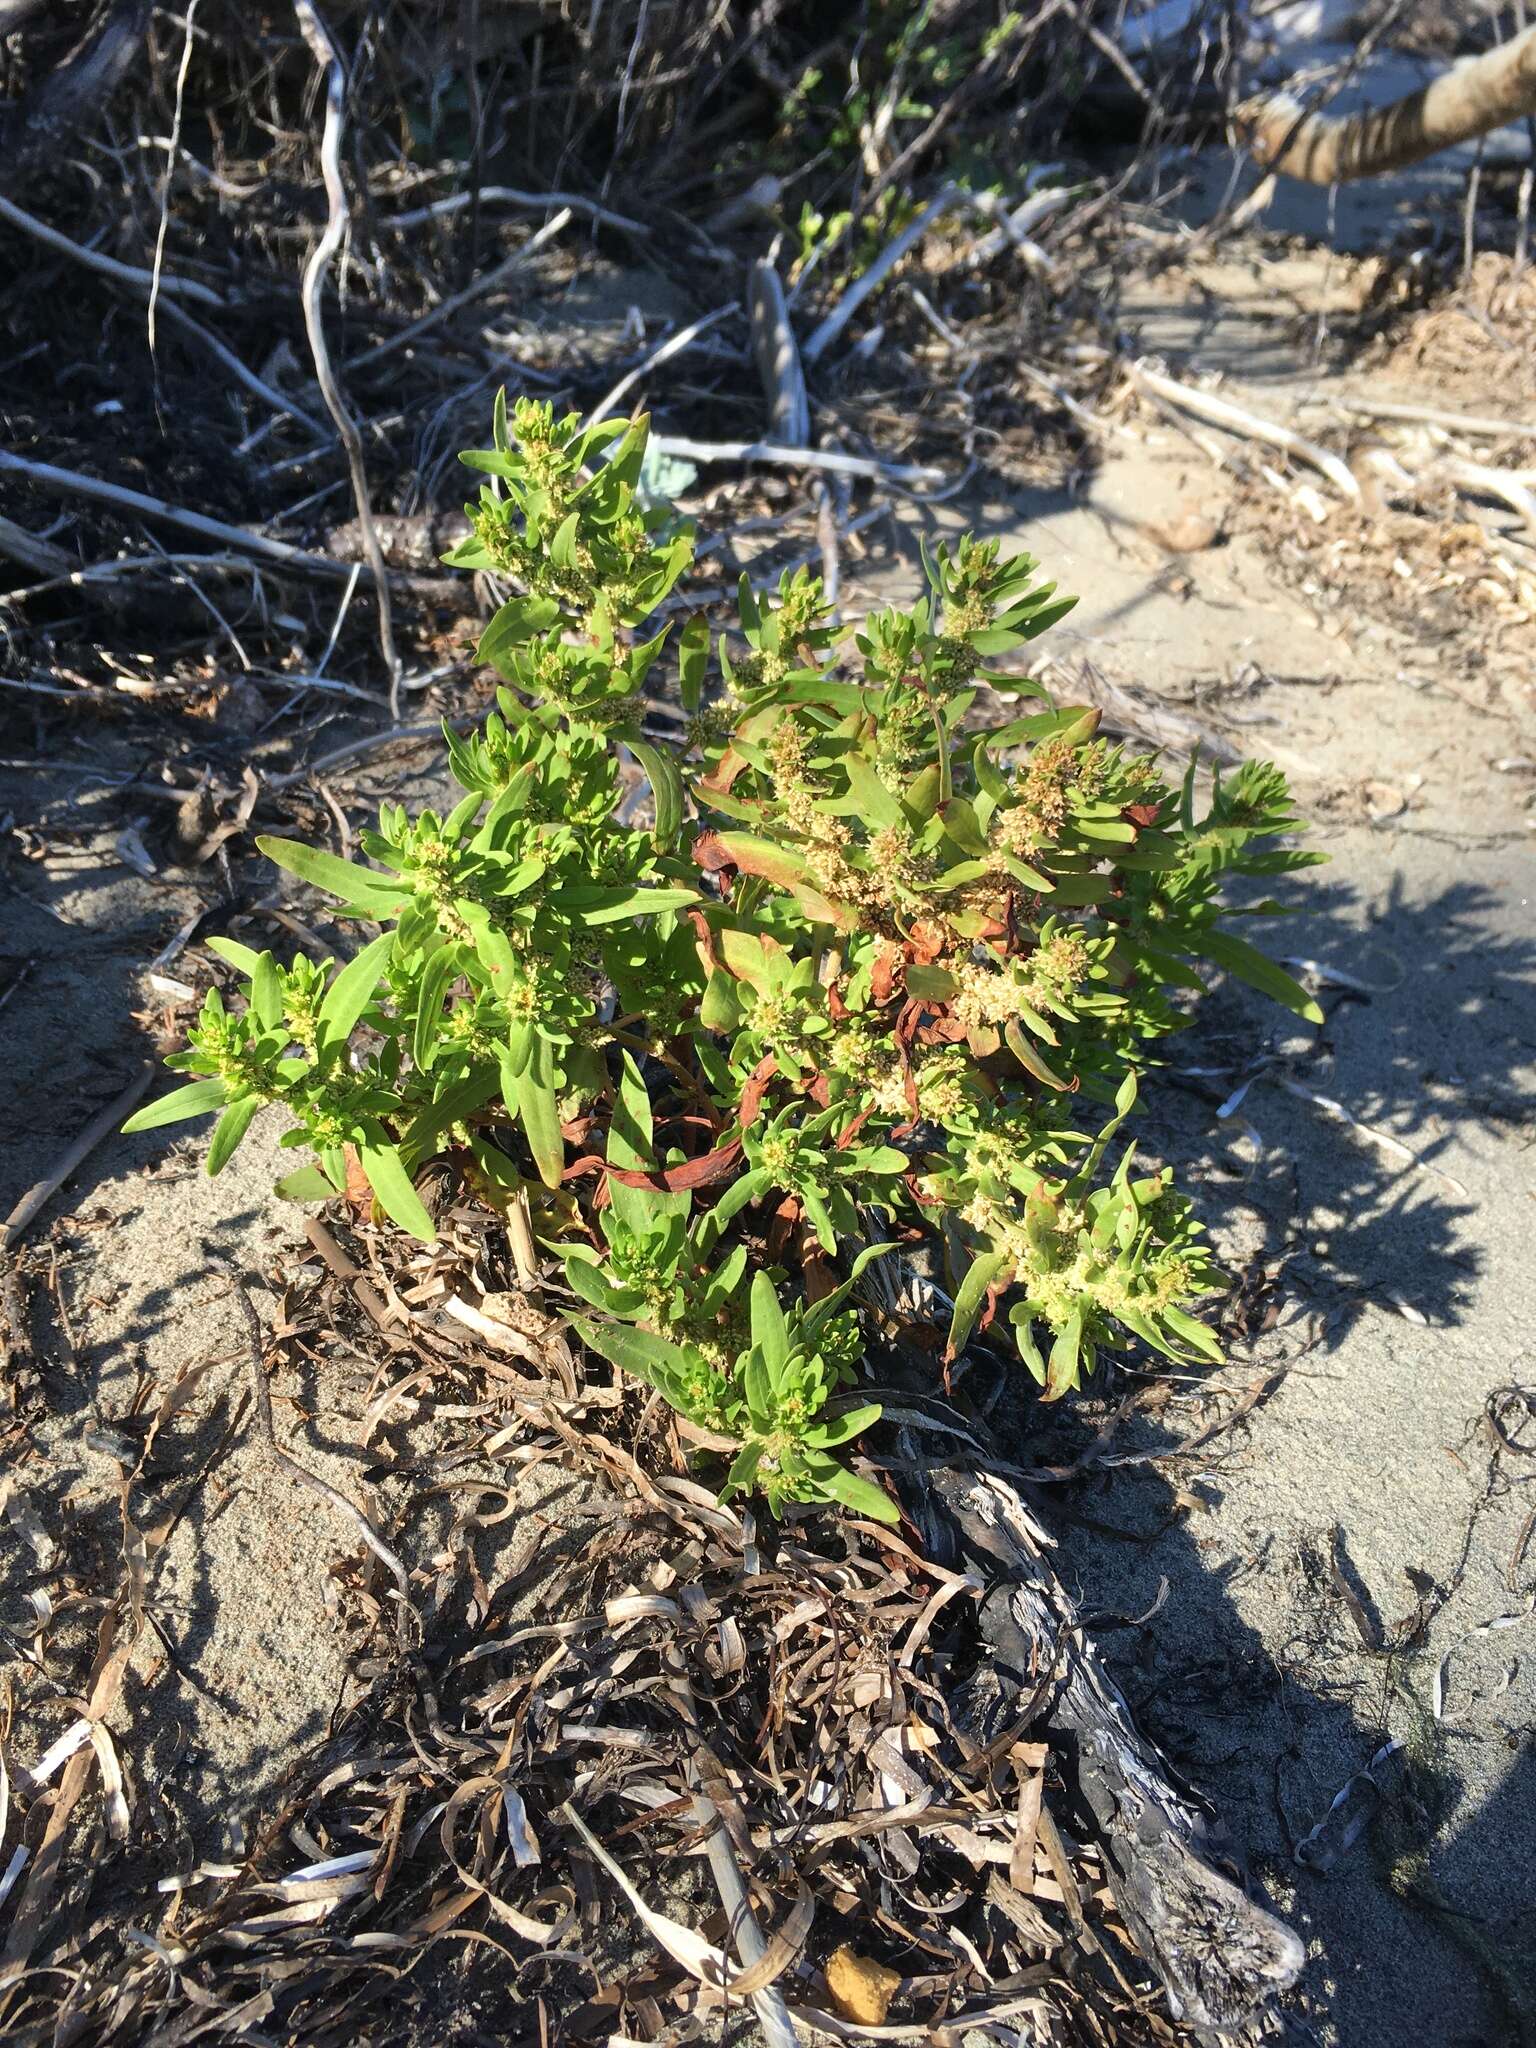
pixel 861 1990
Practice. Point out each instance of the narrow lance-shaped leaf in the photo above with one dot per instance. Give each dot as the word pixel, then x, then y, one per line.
pixel 376 894
pixel 387 1176
pixel 196 1098
pixel 1062 1369
pixel 969 1296
pixel 595 904
pixel 531 1096
pixel 860 1496
pixel 267 992
pixel 243 957
pixel 348 996
pixel 666 780
pixel 693 661
pixel 231 1128
pixel 770 1331
pixel 641 1353
pixel 1260 972
pixel 443 967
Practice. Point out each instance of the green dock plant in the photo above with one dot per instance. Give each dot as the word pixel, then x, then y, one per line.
pixel 856 970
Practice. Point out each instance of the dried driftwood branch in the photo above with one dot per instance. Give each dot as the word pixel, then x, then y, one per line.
pixel 108 266
pixel 487 281
pixel 674 344
pixel 284 406
pixel 947 201
pixel 1516 487
pixel 830 459
pixel 1238 419
pixel 782 376
pixel 1478 425
pixel 70 483
pixel 100 1127
pixel 1471 100
pixel 32 551
pixel 1220 1956
pixel 777 355
pixel 507 195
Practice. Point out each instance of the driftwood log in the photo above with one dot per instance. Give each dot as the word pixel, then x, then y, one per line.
pixel 1468 101
pixel 1220 1955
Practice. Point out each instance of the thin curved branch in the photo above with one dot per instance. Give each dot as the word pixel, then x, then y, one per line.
pixel 327 55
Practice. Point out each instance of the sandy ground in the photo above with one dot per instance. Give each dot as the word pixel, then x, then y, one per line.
pixel 1399 1265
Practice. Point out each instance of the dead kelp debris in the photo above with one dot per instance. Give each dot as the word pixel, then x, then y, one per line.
pixel 655 1765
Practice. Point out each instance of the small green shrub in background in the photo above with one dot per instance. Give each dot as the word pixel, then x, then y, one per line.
pixel 860 971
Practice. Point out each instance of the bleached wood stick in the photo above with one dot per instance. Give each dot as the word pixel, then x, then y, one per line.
pixel 108 266
pixel 1479 425
pixel 777 356
pixel 1512 485
pixel 475 289
pixel 257 386
pixel 1252 426
pixel 114 571
pixel 507 195
pixel 947 201
pixel 1008 228
pixel 32 551
pixel 830 459
pixel 663 352
pixel 101 1126
pixel 1016 227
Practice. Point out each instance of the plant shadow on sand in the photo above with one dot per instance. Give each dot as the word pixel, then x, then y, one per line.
pixel 1269 1660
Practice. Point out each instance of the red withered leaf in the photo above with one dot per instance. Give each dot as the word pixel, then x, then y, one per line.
pixel 702 1172
pixel 711 853
pixel 927 941
pixel 885 975
pixel 757 1087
